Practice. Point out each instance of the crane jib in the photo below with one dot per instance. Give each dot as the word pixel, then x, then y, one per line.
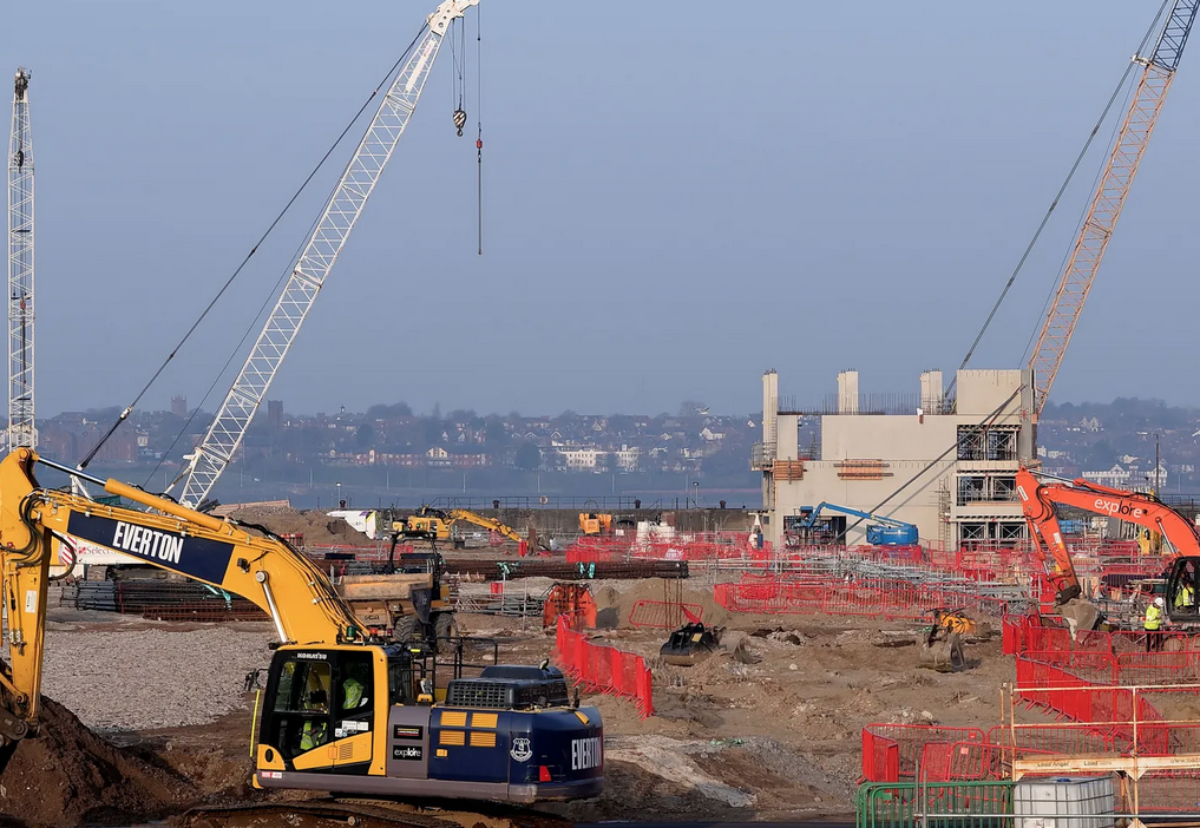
pixel 199 558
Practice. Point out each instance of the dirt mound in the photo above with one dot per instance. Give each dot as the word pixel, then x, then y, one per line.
pixel 67 776
pixel 615 599
pixel 317 527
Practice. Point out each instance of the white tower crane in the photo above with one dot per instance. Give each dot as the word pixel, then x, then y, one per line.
pixel 21 431
pixel 342 210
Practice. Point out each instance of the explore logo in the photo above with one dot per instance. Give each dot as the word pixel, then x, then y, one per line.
pixel 1116 508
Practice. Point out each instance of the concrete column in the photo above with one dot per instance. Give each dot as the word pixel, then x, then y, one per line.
pixel 787 447
pixel 848 392
pixel 770 407
pixel 932 391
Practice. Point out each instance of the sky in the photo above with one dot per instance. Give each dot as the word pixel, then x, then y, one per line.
pixel 676 197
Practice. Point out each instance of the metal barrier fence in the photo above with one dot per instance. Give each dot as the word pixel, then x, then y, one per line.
pixel 860 597
pixel 1100 801
pixel 664 615
pixel 962 804
pixel 604 669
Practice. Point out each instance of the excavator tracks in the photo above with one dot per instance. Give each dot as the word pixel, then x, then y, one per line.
pixel 359 813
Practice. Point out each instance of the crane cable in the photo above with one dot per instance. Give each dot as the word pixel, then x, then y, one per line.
pixel 458 78
pixel 479 136
pixel 237 271
pixel 1054 204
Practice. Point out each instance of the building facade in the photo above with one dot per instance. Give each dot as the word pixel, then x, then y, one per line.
pixel 960 455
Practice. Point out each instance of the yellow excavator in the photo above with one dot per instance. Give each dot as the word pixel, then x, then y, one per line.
pixel 345 712
pixel 437 525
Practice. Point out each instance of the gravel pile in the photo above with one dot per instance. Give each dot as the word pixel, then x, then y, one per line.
pixel 151 678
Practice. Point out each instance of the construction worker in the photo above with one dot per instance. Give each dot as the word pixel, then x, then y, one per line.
pixel 352 689
pixel 313 734
pixel 315 731
pixel 1152 625
pixel 1185 596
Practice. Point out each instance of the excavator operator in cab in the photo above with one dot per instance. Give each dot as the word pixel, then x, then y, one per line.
pixel 315 731
pixel 355 685
pixel 1185 592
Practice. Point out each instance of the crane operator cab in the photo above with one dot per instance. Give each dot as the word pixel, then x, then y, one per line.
pixel 362 719
pixel 1181 591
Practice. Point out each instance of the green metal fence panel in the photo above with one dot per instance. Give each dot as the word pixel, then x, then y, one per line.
pixel 940 805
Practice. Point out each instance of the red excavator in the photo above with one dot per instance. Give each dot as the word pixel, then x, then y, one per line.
pixel 1038 500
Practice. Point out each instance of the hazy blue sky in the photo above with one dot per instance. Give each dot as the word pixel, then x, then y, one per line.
pixel 678 195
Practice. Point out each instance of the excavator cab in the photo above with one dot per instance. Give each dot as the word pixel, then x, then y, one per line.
pixel 322 697
pixel 1180 596
pixel 362 720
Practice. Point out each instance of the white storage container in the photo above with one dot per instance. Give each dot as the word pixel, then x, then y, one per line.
pixel 1065 802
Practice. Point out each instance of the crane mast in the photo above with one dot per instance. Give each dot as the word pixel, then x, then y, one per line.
pixel 312 268
pixel 21 431
pixel 1109 198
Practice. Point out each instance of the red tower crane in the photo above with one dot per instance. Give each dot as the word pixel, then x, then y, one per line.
pixel 1080 272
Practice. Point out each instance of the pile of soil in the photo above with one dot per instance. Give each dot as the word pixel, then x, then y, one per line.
pixel 317 527
pixel 67 776
pixel 615 599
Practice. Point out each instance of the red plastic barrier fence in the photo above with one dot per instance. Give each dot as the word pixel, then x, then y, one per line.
pixel 880 757
pixel 697 550
pixel 891 751
pixel 1105 658
pixel 690 546
pixel 599 550
pixel 964 761
pixel 604 669
pixel 1104 720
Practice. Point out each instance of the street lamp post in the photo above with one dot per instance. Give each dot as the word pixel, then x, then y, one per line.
pixel 1157 466
pixel 339 495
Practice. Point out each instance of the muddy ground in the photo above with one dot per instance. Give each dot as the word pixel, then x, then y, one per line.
pixel 777 739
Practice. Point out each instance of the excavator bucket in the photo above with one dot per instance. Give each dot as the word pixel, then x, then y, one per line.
pixel 690 644
pixel 944 653
pixel 1080 615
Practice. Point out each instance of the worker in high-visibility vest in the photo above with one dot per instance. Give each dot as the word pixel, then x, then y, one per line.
pixel 313 734
pixel 1185 596
pixel 352 694
pixel 1153 624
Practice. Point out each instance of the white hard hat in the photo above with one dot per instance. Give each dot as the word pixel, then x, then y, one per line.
pixel 1158 601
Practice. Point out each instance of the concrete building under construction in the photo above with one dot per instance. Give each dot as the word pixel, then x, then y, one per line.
pixel 961 454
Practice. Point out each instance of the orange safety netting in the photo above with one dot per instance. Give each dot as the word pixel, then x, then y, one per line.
pixel 604 669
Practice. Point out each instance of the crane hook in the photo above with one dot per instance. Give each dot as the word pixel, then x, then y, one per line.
pixel 460 120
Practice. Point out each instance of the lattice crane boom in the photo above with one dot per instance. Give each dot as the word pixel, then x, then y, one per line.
pixel 312 268
pixel 1105 208
pixel 21 429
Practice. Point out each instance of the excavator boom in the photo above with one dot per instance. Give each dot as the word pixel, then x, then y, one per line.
pixel 486 523
pixel 344 713
pixel 304 607
pixel 1038 500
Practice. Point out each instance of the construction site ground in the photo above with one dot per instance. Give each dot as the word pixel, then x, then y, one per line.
pixel 778 739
